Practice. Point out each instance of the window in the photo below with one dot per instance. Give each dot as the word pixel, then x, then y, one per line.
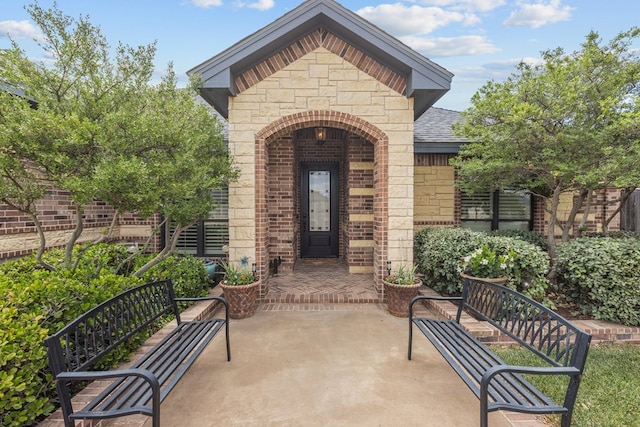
pixel 207 237
pixel 500 210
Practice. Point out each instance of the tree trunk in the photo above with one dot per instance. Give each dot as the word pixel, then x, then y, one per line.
pixel 585 215
pixel 77 231
pixel 43 242
pixel 625 193
pixel 553 220
pixel 571 219
pixel 166 251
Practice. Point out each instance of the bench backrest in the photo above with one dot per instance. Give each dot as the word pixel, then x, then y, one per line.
pixel 528 322
pixel 81 343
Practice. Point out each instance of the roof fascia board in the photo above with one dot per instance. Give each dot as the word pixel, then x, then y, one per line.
pixel 437 147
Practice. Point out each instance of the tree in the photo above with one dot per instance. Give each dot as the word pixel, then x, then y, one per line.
pixel 567 126
pixel 102 131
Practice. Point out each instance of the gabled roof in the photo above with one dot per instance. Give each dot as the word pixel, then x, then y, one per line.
pixel 426 81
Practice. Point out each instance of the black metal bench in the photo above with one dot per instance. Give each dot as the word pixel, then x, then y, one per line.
pixel 138 389
pixel 562 347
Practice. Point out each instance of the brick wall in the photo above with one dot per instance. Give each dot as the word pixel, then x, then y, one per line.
pixel 359 236
pixel 18 234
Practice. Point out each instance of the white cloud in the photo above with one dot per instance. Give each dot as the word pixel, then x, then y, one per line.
pixel 206 3
pixel 261 4
pixel 258 4
pixel 538 14
pixel 401 20
pixel 19 30
pixel 440 47
pixel 479 5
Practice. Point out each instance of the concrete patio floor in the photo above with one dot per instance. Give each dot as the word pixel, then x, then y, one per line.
pixel 339 367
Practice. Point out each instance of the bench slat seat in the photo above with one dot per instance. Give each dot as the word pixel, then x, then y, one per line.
pixel 140 388
pixel 471 360
pixel 560 346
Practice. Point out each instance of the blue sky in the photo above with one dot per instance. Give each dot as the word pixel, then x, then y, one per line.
pixel 477 40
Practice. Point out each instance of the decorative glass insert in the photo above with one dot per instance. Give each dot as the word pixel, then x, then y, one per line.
pixel 319 201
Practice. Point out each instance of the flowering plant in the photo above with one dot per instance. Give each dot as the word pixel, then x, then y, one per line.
pixel 403 276
pixel 484 262
pixel 237 275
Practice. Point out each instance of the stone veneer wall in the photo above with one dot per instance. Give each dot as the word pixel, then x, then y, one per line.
pixel 321 88
pixel 436 201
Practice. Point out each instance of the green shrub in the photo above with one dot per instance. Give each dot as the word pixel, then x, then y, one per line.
pixel 602 277
pixel 189 277
pixel 439 252
pixel 37 303
pixel 25 385
pixel 533 237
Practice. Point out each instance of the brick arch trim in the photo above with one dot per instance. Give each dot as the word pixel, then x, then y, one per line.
pixel 327 118
pixel 355 125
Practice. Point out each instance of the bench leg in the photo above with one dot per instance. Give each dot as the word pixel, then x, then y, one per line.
pixel 226 331
pixel 410 338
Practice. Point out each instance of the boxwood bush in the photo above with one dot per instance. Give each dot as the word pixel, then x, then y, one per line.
pixel 438 252
pixel 602 277
pixel 38 302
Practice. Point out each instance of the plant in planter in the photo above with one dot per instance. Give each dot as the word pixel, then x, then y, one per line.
pixel 484 263
pixel 240 288
pixel 400 286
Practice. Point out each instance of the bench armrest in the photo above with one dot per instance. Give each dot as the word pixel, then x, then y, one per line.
pixel 65 377
pixel 534 370
pixel 119 373
pixel 513 369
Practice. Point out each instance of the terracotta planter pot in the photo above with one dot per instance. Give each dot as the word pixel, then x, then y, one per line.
pixel 243 299
pixel 398 297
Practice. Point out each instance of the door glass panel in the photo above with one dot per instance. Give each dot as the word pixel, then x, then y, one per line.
pixel 319 201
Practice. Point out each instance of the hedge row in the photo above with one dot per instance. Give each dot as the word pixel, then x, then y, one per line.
pixel 37 302
pixel 439 251
pixel 601 276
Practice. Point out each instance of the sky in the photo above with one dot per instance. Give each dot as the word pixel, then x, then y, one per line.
pixel 476 40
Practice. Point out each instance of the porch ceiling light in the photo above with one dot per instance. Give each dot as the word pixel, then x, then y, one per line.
pixel 321 135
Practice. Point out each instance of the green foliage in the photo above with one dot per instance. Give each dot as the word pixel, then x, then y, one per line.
pixel 403 276
pixel 237 275
pixel 569 124
pixel 102 131
pixel 440 251
pixel 609 393
pixel 485 262
pixel 602 277
pixel 37 302
pixel 23 381
pixel 189 277
pixel 532 237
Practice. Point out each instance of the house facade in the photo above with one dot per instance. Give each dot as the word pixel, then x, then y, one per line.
pixel 321 107
pixel 341 153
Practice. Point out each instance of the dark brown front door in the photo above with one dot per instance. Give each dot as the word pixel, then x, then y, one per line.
pixel 319 210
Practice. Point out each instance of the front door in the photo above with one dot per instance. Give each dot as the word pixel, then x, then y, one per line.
pixel 319 210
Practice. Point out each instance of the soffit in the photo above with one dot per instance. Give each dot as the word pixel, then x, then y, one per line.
pixel 426 81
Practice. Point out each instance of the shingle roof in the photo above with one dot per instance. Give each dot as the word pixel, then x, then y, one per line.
pixel 432 132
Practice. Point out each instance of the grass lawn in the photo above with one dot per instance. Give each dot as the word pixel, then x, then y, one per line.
pixel 609 394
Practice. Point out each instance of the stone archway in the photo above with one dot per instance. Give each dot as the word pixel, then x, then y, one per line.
pixel 330 119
